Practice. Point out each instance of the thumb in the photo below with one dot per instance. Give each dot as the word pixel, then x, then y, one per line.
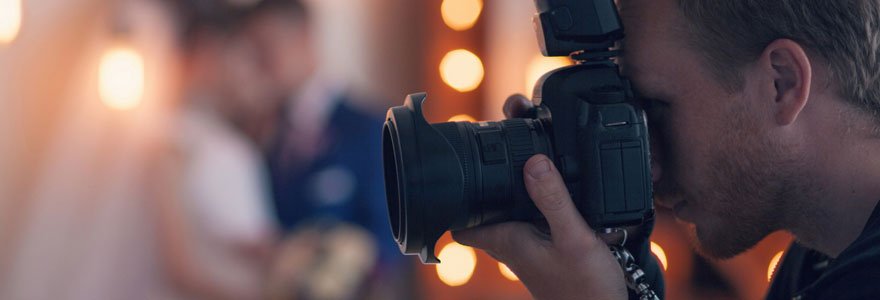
pixel 548 191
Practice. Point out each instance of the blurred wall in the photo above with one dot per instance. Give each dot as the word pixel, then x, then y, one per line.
pixel 511 44
pixel 37 67
pixel 372 46
pixel 74 206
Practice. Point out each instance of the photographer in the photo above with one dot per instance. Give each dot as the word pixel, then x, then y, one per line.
pixel 765 117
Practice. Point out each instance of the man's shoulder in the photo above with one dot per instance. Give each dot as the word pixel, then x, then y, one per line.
pixel 855 273
pixel 858 278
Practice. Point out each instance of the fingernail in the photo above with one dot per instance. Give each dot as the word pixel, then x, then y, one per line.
pixel 539 169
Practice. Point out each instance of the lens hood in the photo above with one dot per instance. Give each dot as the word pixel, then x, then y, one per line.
pixel 418 216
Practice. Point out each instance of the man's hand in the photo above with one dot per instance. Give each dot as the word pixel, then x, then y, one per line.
pixel 571 263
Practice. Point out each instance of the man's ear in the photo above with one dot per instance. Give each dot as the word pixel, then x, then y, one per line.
pixel 792 76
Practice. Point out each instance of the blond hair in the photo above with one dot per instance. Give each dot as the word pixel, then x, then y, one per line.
pixel 845 34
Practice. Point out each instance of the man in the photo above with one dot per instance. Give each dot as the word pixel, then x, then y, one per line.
pixel 325 156
pixel 765 118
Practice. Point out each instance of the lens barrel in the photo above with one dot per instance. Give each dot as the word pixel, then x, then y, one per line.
pixel 454 175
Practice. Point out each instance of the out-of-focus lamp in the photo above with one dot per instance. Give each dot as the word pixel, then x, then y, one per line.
pixel 121 78
pixel 507 273
pixel 121 74
pixel 660 254
pixel 461 15
pixel 10 20
pixel 462 118
pixel 540 65
pixel 457 264
pixel 772 267
pixel 462 70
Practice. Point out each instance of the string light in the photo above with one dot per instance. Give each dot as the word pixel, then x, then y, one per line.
pixel 462 118
pixel 121 78
pixel 457 264
pixel 461 15
pixel 660 254
pixel 10 20
pixel 772 267
pixel 539 66
pixel 507 273
pixel 462 70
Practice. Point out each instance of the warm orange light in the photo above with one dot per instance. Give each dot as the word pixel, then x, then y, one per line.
pixel 10 20
pixel 660 254
pixel 506 272
pixel 539 66
pixel 462 70
pixel 772 267
pixel 121 78
pixel 457 264
pixel 461 14
pixel 462 118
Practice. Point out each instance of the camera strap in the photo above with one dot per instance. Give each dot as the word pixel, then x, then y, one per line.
pixel 635 276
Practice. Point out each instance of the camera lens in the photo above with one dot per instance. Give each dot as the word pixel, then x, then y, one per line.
pixel 454 175
pixel 391 184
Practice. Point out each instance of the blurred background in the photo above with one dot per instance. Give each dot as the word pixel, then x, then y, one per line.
pixel 229 149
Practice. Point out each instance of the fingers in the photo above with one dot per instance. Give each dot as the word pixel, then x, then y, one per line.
pixel 503 241
pixel 517 106
pixel 548 191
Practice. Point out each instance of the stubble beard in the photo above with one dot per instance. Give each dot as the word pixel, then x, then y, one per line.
pixel 749 192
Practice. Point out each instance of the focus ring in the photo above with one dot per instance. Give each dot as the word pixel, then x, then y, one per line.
pixel 456 136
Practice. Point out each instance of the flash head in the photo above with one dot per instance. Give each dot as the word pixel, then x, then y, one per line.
pixel 567 26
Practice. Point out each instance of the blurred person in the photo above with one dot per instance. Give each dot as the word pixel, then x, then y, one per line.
pixel 215 231
pixel 324 260
pixel 324 157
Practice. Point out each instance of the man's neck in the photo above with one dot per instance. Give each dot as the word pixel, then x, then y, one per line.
pixel 849 190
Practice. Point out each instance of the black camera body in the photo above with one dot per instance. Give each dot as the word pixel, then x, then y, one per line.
pixel 457 175
pixel 600 142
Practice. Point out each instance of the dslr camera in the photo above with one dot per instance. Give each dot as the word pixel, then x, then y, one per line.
pixel 457 175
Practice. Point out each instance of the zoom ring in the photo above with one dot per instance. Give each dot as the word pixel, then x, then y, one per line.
pixel 522 147
pixel 519 139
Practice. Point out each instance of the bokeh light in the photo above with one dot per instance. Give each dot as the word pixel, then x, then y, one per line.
pixel 772 267
pixel 10 20
pixel 457 264
pixel 507 273
pixel 462 70
pixel 462 118
pixel 539 66
pixel 660 254
pixel 461 14
pixel 121 78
